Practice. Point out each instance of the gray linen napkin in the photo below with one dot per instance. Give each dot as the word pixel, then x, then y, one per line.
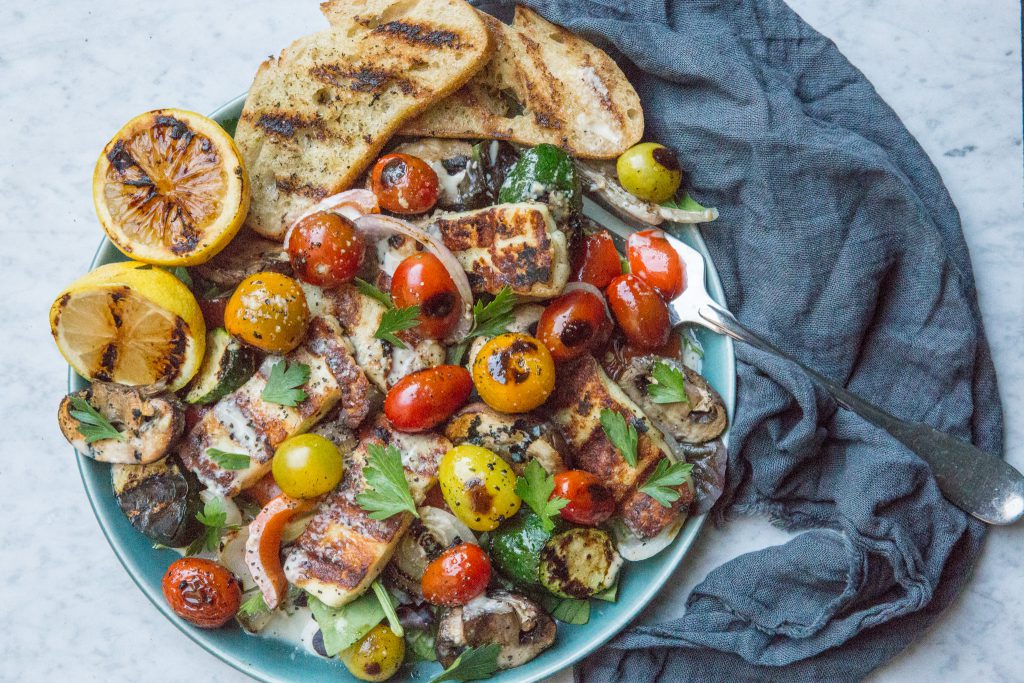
pixel 838 241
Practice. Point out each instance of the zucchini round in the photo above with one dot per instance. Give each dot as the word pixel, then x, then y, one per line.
pixel 579 563
pixel 515 548
pixel 227 365
pixel 159 499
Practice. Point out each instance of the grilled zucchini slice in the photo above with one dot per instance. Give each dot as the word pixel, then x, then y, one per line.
pixel 227 365
pixel 159 499
pixel 579 563
pixel 516 546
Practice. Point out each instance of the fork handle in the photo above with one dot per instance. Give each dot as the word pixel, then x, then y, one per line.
pixel 980 484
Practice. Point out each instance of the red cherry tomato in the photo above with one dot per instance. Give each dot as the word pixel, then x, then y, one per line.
pixel 426 398
pixel 422 280
pixel 653 259
pixel 457 576
pixel 640 311
pixel 201 592
pixel 597 260
pixel 590 501
pixel 404 184
pixel 326 249
pixel 574 324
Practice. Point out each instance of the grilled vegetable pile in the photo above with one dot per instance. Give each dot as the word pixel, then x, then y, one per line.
pixel 437 418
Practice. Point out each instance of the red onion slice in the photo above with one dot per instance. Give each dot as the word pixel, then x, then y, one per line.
pixel 375 225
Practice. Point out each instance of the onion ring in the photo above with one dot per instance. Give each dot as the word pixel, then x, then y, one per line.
pixel 376 225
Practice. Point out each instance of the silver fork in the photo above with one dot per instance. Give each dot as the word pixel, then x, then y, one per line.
pixel 980 484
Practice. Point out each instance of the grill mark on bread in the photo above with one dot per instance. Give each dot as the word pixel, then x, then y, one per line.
pixel 419 34
pixel 308 190
pixel 362 79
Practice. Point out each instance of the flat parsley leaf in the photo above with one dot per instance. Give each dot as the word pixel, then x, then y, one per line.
pixel 373 292
pixel 284 382
pixel 661 484
pixel 387 491
pixel 91 424
pixel 387 603
pixel 670 386
pixel 254 605
pixel 622 434
pixel 535 488
pixel 229 461
pixel 474 664
pixel 214 519
pixel 489 320
pixel 396 320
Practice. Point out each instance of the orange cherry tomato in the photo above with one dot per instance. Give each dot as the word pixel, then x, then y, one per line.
pixel 268 311
pixel 426 398
pixel 590 501
pixel 422 280
pixel 640 311
pixel 597 260
pixel 458 575
pixel 326 249
pixel 201 592
pixel 653 259
pixel 404 184
pixel 573 324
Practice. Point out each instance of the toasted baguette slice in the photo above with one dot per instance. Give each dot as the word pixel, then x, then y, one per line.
pixel 544 84
pixel 317 115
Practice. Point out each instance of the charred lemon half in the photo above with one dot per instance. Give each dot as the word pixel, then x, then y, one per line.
pixel 171 188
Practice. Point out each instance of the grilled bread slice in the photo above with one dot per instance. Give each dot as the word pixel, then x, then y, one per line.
pixel 243 422
pixel 544 84
pixel 343 549
pixel 583 392
pixel 513 245
pixel 317 115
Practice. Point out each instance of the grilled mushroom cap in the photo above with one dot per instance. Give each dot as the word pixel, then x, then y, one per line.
pixel 699 420
pixel 246 255
pixel 516 623
pixel 150 426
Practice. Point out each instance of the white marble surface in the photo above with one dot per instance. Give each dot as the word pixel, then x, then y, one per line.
pixel 72 73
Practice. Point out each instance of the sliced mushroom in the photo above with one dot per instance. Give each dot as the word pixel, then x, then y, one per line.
pixel 698 420
pixel 600 181
pixel 149 426
pixel 516 623
pixel 245 255
pixel 516 438
pixel 427 538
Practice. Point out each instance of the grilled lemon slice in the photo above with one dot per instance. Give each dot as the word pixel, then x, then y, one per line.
pixel 170 188
pixel 130 323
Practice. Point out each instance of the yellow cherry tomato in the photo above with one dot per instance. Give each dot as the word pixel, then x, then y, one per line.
pixel 514 373
pixel 377 656
pixel 478 486
pixel 307 466
pixel 268 311
pixel 650 171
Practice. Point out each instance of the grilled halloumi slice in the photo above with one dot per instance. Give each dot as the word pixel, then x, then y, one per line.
pixel 583 391
pixel 516 438
pixel 343 549
pixel 242 422
pixel 513 245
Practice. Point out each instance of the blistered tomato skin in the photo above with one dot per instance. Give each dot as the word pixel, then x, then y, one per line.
pixel 478 486
pixel 653 260
pixel 422 280
pixel 573 324
pixel 377 656
pixel 404 184
pixel 268 311
pixel 590 501
pixel 201 592
pixel 326 249
pixel 307 466
pixel 514 373
pixel 424 399
pixel 597 260
pixel 457 576
pixel 650 171
pixel 640 312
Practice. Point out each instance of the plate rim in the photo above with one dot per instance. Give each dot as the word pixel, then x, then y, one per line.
pixel 208 642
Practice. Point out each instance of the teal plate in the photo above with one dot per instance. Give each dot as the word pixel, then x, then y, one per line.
pixel 271 660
